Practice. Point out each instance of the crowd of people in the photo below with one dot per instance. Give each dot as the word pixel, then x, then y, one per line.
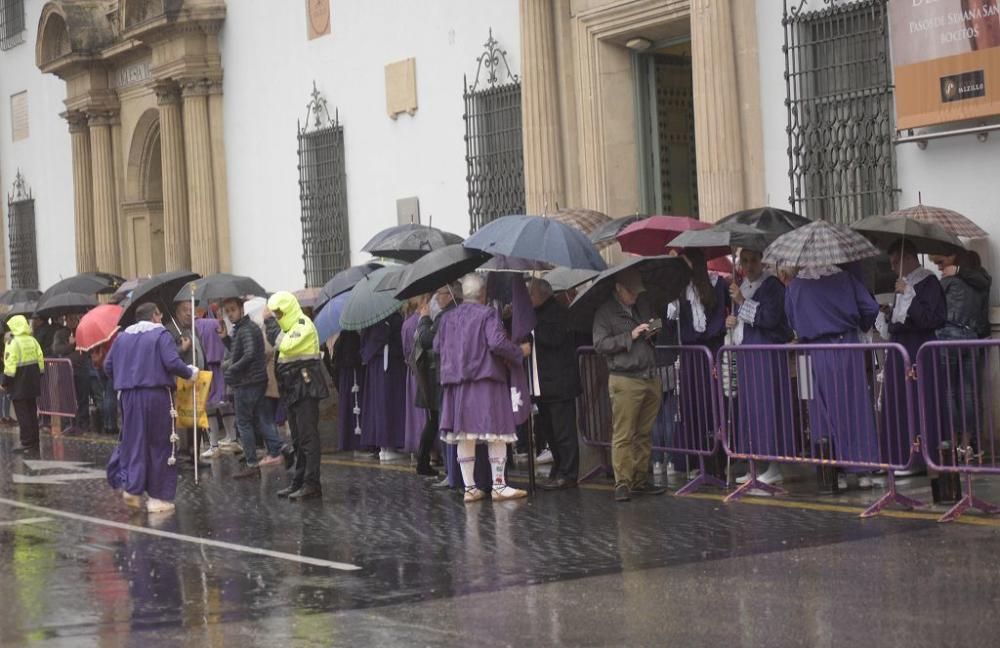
pixel 446 378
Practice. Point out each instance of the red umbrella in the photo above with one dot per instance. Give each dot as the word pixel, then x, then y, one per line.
pixel 649 237
pixel 98 326
pixel 721 266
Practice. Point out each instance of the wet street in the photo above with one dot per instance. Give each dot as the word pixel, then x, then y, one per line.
pixel 384 560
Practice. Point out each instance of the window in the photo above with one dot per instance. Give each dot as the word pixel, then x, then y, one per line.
pixel 494 152
pixel 323 194
pixel 11 23
pixel 19 116
pixel 840 113
pixel 21 226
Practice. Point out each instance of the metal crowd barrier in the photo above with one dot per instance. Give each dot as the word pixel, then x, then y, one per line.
pixel 959 379
pixel 847 406
pixel 686 373
pixel 58 397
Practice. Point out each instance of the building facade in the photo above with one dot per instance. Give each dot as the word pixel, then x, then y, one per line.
pixel 273 139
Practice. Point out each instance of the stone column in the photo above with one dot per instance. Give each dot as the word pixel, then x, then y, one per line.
pixel 217 130
pixel 201 198
pixel 718 136
pixel 106 245
pixel 541 122
pixel 176 227
pixel 83 192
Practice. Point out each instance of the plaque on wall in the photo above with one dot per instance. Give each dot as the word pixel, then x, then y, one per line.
pixel 318 17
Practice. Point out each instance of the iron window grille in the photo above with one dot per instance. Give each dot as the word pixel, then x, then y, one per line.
pixel 12 23
pixel 326 245
pixel 841 163
pixel 494 151
pixel 21 228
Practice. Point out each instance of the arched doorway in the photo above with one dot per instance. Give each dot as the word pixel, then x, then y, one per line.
pixel 142 209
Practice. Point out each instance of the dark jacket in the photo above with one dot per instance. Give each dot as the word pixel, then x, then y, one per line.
pixel 981 282
pixel 555 353
pixel 613 325
pixel 245 362
pixel 427 359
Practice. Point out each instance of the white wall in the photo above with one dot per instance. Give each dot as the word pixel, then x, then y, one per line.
pixel 44 158
pixel 957 173
pixel 269 68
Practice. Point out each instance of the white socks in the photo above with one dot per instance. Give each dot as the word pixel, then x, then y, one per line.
pixel 498 462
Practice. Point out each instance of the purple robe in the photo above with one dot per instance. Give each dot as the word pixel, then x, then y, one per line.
pixel 214 351
pixel 475 361
pixel 765 422
pixel 926 314
pixel 142 364
pixel 831 310
pixel 383 421
pixel 350 374
pixel 697 412
pixel 416 417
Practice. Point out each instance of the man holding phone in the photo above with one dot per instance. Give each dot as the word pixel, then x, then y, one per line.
pixel 624 328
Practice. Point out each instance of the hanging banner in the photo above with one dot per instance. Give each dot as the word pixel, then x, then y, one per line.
pixel 946 60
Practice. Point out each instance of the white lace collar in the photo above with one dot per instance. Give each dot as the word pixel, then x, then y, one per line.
pixel 142 327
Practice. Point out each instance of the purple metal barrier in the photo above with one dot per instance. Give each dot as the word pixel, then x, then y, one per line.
pixel 957 422
pixel 695 429
pixel 58 396
pixel 841 405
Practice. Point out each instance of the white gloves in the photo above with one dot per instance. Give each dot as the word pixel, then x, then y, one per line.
pixel 194 372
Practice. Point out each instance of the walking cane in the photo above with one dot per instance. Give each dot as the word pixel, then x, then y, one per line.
pixel 194 393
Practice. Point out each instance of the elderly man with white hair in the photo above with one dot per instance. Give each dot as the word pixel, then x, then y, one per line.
pixel 475 359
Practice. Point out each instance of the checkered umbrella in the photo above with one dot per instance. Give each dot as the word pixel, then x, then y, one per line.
pixel 949 220
pixel 585 220
pixel 819 244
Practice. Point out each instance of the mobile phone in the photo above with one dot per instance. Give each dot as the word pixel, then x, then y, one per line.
pixel 655 325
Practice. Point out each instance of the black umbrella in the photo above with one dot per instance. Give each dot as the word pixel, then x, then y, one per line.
pixel 606 233
pixel 64 304
pixel 924 236
pixel 409 242
pixel 344 281
pixel 566 278
pixel 769 222
pixel 85 283
pixel 160 289
pixel 219 287
pixel 434 269
pixel 664 277
pixel 26 308
pixel 19 295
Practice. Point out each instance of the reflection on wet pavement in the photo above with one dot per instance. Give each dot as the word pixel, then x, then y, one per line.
pixel 420 552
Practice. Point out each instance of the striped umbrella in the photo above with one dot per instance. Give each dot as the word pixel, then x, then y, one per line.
pixel 819 244
pixel 585 220
pixel 947 219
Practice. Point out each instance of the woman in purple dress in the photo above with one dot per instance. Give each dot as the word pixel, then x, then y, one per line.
pixel 701 313
pixel 382 419
pixel 218 408
pixel 350 376
pixel 826 305
pixel 416 417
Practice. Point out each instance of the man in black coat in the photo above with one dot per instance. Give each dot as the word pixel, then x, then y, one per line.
pixel 442 301
pixel 559 384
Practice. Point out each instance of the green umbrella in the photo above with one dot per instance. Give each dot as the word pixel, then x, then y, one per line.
pixel 367 306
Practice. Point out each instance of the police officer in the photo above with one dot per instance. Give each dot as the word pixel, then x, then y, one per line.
pixel 23 366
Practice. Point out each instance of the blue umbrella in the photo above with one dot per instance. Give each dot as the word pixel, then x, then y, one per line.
pixel 328 321
pixel 537 238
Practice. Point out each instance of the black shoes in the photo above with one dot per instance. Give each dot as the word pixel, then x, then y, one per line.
pixel 649 489
pixel 442 485
pixel 247 472
pixel 622 493
pixel 306 492
pixel 288 490
pixel 560 483
pixel 427 471
pixel 25 449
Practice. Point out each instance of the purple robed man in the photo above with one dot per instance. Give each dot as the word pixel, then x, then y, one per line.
pixel 416 417
pixel 142 364
pixel 764 422
pixel 218 409
pixel 475 360
pixel 382 419
pixel 829 306
pixel 918 312
pixel 701 314
pixel 350 373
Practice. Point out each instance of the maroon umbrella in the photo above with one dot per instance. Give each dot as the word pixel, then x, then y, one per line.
pixel 650 237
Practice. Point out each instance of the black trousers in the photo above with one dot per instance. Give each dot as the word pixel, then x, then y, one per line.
pixel 26 410
pixel 558 418
pixel 427 437
pixel 303 420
